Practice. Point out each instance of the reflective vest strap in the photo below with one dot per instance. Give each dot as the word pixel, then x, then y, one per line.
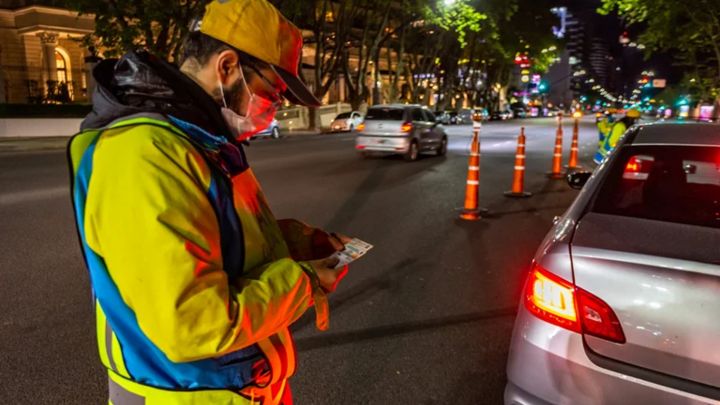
pixel 118 395
pixel 110 351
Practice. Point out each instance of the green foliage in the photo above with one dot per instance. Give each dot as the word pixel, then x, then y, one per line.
pixel 688 29
pixel 123 25
pixel 458 17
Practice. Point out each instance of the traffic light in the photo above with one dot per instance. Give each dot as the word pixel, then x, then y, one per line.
pixel 543 86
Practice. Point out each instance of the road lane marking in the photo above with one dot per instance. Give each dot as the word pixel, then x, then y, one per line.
pixel 33 195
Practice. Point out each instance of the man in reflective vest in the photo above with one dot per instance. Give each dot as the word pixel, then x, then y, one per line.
pixel 616 132
pixel 194 280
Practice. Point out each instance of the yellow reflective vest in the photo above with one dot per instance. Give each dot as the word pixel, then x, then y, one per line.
pixel 193 284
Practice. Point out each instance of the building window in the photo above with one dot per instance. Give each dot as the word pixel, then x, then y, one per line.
pixel 62 76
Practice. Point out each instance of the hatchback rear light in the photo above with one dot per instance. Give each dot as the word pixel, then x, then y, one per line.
pixel 360 127
pixel 406 127
pixel 561 303
pixel 638 168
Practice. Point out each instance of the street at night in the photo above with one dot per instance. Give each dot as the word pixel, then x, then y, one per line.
pixel 320 202
pixel 426 317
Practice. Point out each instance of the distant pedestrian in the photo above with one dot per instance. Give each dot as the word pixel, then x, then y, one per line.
pixel 616 132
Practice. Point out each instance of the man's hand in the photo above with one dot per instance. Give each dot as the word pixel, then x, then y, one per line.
pixel 308 243
pixel 328 276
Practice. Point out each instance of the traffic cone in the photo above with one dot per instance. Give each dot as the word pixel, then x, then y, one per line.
pixel 471 212
pixel 519 173
pixel 556 172
pixel 573 162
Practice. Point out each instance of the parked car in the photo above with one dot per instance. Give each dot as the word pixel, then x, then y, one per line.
pixel 403 129
pixel 621 303
pixel 455 118
pixel 272 131
pixel 443 117
pixel 450 118
pixel 501 115
pixel 346 121
pixel 553 111
pixel 519 112
pixel 484 113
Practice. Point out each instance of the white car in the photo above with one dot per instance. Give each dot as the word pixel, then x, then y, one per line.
pixel 346 121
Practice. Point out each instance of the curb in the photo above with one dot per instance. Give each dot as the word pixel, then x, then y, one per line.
pixel 26 144
pixel 49 143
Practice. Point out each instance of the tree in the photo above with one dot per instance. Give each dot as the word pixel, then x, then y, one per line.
pixel 688 29
pixel 156 25
pixel 324 19
pixel 516 30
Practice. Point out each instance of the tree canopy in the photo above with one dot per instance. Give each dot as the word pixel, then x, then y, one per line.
pixel 688 29
pixel 156 25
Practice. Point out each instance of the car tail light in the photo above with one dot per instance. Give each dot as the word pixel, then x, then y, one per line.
pixel 406 127
pixel 360 147
pixel 360 127
pixel 598 319
pixel 638 167
pixel 551 299
pixel 561 303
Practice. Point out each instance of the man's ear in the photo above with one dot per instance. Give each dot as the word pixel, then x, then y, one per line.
pixel 227 67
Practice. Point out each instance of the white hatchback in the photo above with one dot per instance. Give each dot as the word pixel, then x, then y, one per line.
pixel 346 121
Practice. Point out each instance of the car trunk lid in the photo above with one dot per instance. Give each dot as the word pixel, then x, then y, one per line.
pixel 662 280
pixel 384 128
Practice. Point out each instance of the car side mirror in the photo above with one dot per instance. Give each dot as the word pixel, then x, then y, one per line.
pixel 577 180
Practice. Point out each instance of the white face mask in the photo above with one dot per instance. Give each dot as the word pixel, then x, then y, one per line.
pixel 258 117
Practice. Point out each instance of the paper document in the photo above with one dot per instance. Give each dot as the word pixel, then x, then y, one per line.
pixel 354 250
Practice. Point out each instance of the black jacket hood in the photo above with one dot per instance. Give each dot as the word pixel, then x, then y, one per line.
pixel 142 83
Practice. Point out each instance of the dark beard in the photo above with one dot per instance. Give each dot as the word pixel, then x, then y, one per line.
pixel 233 94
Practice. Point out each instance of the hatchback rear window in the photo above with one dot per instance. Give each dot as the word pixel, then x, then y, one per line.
pixel 666 183
pixel 385 114
pixel 342 116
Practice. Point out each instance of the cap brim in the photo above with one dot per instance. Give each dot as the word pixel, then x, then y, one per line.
pixel 296 91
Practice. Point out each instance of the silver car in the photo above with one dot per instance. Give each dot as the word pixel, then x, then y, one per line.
pixel 622 302
pixel 403 129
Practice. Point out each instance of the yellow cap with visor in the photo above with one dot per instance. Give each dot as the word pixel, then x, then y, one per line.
pixel 257 28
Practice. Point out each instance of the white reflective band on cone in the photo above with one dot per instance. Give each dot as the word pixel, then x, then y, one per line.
pixel 519 156
pixel 519 167
pixel 476 168
pixel 474 154
pixel 473 182
pixel 557 154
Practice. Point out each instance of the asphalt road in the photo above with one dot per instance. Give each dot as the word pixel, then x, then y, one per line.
pixel 424 318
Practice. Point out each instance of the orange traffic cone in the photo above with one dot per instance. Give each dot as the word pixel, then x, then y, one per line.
pixel 556 172
pixel 471 212
pixel 519 173
pixel 573 162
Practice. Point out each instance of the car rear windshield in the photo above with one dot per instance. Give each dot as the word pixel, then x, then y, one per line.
pixel 667 183
pixel 342 116
pixel 385 114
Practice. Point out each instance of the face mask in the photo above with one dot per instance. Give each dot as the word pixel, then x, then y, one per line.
pixel 258 117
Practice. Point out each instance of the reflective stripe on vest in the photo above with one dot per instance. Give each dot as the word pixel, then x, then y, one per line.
pixel 118 395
